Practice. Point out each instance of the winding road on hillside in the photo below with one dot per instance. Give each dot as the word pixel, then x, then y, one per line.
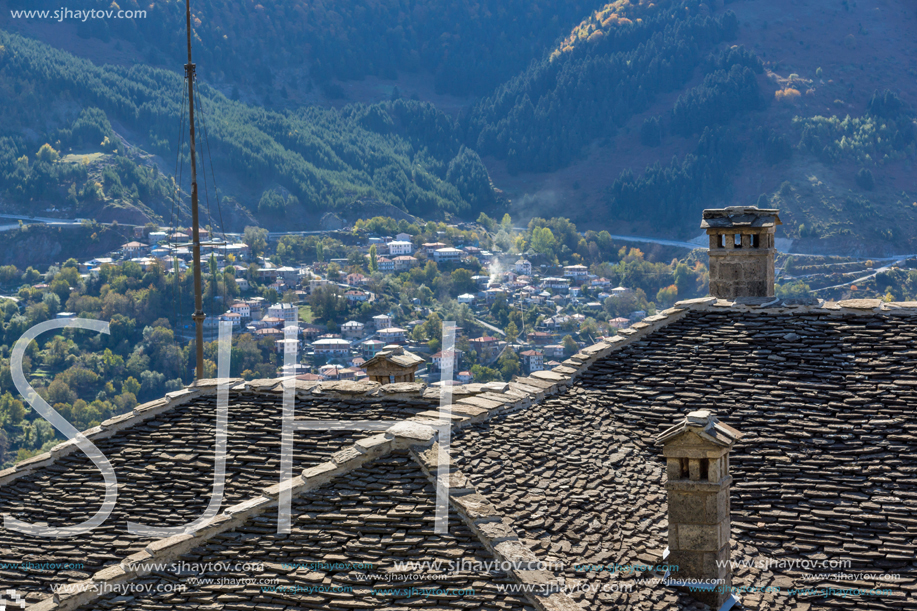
pixel 856 280
pixel 277 234
pixel 631 238
pixel 35 219
pixel 490 327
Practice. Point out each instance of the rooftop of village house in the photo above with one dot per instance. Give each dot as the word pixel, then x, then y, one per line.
pixel 825 469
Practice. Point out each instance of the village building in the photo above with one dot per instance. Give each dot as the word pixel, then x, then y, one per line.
pixel 447 255
pixel 370 347
pixel 436 361
pixel 486 346
pixel 282 346
pixel 284 311
pixel 352 329
pixel 404 263
pixel 392 365
pixel 266 322
pixel 234 318
pixel 385 265
pixel 556 284
pixel 430 247
pixel 291 276
pixel 158 237
pixel 133 249
pixel 331 347
pixel 309 331
pixel 577 273
pixel 381 321
pixel 540 338
pixel 336 372
pixel 242 309
pixel 316 283
pixel 391 335
pixel 271 333
pixel 532 360
pixel 398 248
pixel 356 297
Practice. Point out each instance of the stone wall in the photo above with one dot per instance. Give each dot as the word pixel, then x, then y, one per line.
pixel 741 273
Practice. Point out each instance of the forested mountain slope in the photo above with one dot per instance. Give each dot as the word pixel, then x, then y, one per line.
pixel 631 115
pixel 814 103
pixel 291 165
pixel 468 47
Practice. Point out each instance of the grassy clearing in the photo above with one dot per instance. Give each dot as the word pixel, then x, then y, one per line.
pixel 87 159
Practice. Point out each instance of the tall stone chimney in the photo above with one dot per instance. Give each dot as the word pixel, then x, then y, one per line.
pixel 697 465
pixel 741 251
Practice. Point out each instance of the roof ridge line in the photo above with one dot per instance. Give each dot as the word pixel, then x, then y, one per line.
pixel 107 429
pixel 198 389
pixel 856 307
pixel 553 381
pixel 536 387
pixel 401 436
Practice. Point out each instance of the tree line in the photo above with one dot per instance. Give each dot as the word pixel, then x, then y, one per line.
pixel 543 118
pixel 325 158
pixel 469 47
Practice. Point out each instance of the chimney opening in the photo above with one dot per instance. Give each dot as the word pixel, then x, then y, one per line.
pixel 756 240
pixel 737 240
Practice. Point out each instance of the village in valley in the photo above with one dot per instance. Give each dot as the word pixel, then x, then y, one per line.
pixel 515 313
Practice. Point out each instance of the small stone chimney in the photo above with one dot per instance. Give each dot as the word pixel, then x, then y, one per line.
pixel 697 465
pixel 741 251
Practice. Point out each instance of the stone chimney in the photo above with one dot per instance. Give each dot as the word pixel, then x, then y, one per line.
pixel 741 251
pixel 697 465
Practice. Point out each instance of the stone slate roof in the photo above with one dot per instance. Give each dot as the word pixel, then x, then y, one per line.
pixel 825 470
pixel 740 216
pixel 343 536
pixel 561 467
pixel 165 475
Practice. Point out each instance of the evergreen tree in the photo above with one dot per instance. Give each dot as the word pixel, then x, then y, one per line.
pixel 373 260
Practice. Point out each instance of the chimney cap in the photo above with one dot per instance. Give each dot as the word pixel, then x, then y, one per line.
pixel 701 417
pixel 705 424
pixel 740 216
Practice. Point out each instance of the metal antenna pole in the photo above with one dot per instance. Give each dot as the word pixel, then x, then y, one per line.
pixel 198 315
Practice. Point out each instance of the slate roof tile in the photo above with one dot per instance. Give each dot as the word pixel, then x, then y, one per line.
pixel 376 515
pixel 165 474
